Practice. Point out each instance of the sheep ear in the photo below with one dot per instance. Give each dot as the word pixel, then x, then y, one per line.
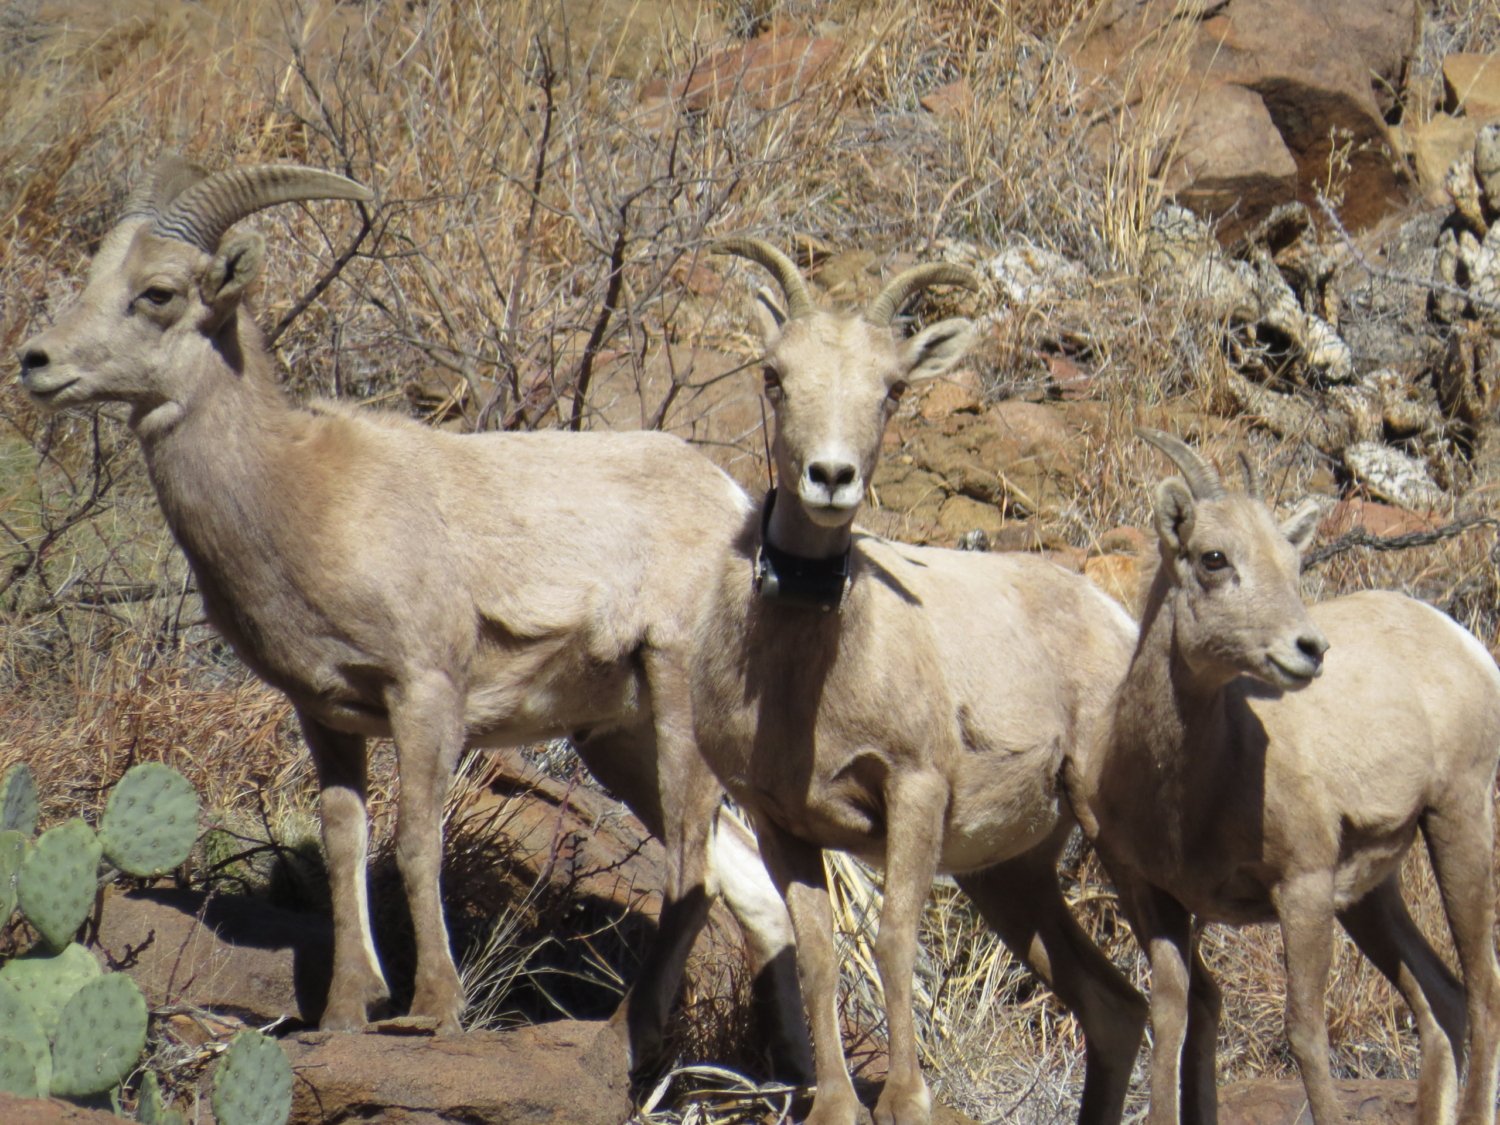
pixel 234 267
pixel 1302 524
pixel 1175 507
pixel 769 316
pixel 936 348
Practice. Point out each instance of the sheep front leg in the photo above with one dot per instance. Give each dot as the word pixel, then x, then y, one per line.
pixel 357 982
pixel 797 870
pixel 1304 907
pixel 427 726
pixel 1165 931
pixel 916 807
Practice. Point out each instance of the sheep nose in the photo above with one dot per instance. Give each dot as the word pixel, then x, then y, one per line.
pixel 831 474
pixel 1313 646
pixel 32 359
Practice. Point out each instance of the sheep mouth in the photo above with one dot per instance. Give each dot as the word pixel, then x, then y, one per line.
pixel 48 395
pixel 1288 675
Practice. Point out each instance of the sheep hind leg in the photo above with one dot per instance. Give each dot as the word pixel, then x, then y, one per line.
pixel 1460 841
pixel 1383 930
pixel 687 799
pixel 1021 901
pixel 771 945
pixel 357 983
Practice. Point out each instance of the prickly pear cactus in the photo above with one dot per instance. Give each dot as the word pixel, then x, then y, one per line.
pixel 100 1035
pixel 47 981
pixel 59 878
pixel 151 820
pixel 19 1022
pixel 151 1108
pixel 253 1085
pixel 19 1073
pixel 18 805
pixel 12 852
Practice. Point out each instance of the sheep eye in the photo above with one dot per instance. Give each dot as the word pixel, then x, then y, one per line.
pixel 896 390
pixel 157 295
pixel 1214 560
pixel 772 382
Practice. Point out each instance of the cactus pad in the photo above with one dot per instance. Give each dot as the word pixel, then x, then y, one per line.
pixel 151 1107
pixel 48 981
pixel 20 1023
pixel 18 806
pixel 19 1073
pixel 151 820
pixel 100 1036
pixel 253 1085
pixel 12 851
pixel 59 877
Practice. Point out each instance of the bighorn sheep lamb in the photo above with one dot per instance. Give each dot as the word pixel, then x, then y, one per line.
pixel 908 705
pixel 394 580
pixel 1266 762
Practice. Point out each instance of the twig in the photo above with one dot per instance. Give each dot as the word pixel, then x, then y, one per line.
pixel 1359 537
pixel 1380 273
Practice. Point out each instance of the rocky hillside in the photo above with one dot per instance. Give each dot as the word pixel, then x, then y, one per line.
pixel 1265 224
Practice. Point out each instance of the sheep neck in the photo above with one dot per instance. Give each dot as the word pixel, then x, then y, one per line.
pixel 1162 702
pixel 219 455
pixel 794 563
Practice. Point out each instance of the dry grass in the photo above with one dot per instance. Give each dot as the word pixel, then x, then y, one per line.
pixel 523 187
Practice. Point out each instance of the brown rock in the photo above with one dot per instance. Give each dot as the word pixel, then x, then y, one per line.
pixel 773 68
pixel 564 1073
pixel 1275 1102
pixel 1472 85
pixel 1318 100
pixel 50 1111
pixel 943 397
pixel 1230 153
pixel 1435 145
pixel 1119 576
pixel 1372 517
pixel 960 514
pixel 225 953
pixel 955 99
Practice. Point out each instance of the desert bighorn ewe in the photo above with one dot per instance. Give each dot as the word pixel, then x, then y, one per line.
pixel 445 590
pixel 909 705
pixel 1248 777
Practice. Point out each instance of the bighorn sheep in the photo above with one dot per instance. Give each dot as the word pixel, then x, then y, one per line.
pixel 445 590
pixel 908 705
pixel 1246 777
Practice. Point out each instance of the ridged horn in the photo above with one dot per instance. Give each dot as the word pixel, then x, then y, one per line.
pixel 1202 480
pixel 799 300
pixel 1252 476
pixel 204 211
pixel 908 282
pixel 171 176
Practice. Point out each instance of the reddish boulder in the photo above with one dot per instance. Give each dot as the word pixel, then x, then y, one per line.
pixel 1271 1102
pixel 49 1111
pixel 1327 106
pixel 564 1073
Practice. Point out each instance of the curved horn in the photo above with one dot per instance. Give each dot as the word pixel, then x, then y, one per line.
pixel 799 301
pixel 1202 479
pixel 1252 476
pixel 905 284
pixel 204 211
pixel 169 178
